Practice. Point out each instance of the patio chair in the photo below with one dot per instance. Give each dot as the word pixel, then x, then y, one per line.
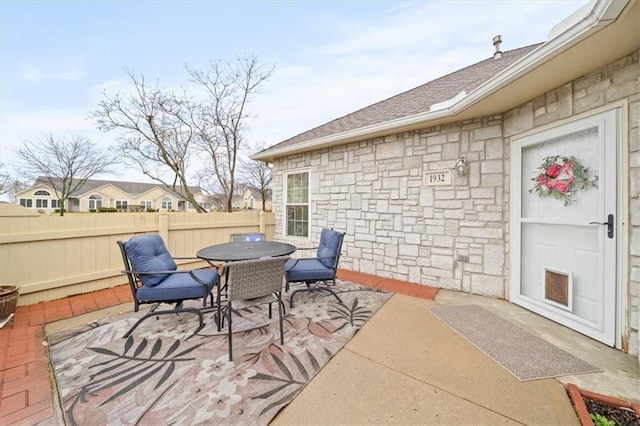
pixel 317 272
pixel 154 278
pixel 252 283
pixel 252 236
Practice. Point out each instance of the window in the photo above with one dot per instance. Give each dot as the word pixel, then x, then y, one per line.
pixel 122 204
pixel 145 205
pixel 42 203
pixel 297 204
pixel 95 202
pixel 26 202
pixel 54 203
pixel 167 204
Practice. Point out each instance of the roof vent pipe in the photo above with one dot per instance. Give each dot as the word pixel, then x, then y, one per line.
pixel 496 43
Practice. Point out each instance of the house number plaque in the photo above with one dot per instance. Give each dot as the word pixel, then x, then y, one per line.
pixel 437 178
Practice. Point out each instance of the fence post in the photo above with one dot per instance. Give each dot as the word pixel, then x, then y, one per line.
pixel 263 223
pixel 163 226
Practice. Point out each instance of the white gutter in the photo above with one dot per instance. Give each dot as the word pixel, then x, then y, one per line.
pixel 567 33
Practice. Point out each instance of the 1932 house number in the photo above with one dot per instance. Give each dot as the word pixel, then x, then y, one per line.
pixel 437 178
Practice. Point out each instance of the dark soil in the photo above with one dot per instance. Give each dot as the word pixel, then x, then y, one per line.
pixel 622 416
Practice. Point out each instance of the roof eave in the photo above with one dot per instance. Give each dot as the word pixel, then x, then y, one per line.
pixel 601 14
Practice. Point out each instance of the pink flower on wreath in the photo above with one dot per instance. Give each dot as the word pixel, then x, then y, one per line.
pixel 567 167
pixel 553 170
pixel 558 175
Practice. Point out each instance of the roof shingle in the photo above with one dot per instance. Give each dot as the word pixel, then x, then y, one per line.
pixel 415 101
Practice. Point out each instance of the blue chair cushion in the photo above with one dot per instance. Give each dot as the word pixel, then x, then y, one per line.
pixel 147 253
pixel 307 270
pixel 179 286
pixel 254 237
pixel 329 246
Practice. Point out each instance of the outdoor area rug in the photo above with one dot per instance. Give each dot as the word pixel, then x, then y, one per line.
pixel 524 355
pixel 164 374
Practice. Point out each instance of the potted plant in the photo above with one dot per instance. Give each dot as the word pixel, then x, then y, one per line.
pixel 8 300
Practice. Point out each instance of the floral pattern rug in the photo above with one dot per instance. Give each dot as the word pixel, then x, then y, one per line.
pixel 165 374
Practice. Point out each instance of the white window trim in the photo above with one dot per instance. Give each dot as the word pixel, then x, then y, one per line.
pixel 165 201
pixel 285 203
pixel 93 201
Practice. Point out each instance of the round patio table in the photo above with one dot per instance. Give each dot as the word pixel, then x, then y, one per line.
pixel 245 250
pixel 241 250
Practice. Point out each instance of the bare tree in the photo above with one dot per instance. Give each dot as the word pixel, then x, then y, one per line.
pixel 157 132
pixel 10 185
pixel 257 174
pixel 65 163
pixel 5 180
pixel 220 120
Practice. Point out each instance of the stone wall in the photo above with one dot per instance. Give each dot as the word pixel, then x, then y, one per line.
pixel 399 228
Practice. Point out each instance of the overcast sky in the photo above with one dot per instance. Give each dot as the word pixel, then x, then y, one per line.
pixel 330 57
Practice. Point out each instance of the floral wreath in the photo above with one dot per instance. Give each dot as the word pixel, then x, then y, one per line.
pixel 561 177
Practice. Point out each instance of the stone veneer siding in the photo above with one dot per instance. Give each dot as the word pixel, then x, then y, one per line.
pixel 399 228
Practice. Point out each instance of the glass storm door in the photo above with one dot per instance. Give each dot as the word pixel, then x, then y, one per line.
pixel 564 263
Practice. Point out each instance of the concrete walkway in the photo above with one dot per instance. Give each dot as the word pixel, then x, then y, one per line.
pixel 404 366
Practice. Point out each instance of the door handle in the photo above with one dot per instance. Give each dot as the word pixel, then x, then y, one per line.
pixel 609 224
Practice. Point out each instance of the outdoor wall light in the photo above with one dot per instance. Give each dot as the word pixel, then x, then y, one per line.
pixel 461 166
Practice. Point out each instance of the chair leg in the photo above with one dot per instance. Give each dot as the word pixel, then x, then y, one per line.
pixel 155 313
pixel 128 333
pixel 219 311
pixel 229 334
pixel 280 312
pixel 311 289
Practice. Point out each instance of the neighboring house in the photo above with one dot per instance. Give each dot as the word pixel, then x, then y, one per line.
pixel 252 199
pixel 436 185
pixel 219 202
pixel 94 194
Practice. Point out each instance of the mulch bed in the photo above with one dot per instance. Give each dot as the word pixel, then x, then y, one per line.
pixel 622 416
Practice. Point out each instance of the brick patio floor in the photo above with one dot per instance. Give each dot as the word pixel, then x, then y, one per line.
pixel 26 391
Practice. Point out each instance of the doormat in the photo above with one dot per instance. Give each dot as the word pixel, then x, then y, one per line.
pixel 524 355
pixel 164 374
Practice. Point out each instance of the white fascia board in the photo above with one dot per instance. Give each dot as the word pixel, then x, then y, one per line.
pixel 582 24
pixel 353 134
pixel 601 15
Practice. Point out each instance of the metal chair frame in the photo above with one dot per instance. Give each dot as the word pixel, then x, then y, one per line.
pixel 135 283
pixel 316 284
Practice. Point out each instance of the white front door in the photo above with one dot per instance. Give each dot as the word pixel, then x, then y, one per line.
pixel 564 262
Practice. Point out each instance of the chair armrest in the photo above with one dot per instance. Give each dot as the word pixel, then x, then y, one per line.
pixel 131 271
pixel 315 257
pixel 187 258
pixel 308 258
pixel 190 272
pixel 198 280
pixel 294 264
